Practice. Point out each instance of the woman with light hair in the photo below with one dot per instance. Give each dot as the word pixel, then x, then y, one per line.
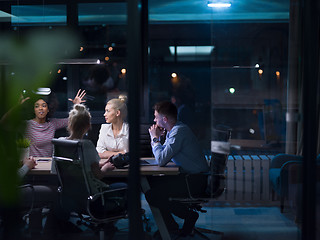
pixel 114 135
pixel 96 170
pixel 79 124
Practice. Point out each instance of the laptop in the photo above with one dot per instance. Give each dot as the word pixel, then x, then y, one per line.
pixel 148 162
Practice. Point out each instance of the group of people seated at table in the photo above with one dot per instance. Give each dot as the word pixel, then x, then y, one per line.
pixel 180 146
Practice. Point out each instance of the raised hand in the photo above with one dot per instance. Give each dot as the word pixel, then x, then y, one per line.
pixel 79 97
pixel 23 99
pixel 155 131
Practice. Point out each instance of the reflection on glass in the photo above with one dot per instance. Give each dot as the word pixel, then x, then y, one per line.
pixel 39 14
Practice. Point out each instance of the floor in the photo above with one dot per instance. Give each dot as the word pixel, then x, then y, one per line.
pixel 236 221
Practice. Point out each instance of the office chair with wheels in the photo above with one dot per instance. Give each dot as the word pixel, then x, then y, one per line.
pixel 96 206
pixel 216 183
pixel 215 188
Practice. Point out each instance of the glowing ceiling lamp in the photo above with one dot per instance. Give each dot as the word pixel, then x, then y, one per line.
pixel 219 4
pixel 190 50
pixel 42 91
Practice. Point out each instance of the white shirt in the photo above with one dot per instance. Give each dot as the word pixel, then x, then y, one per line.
pixel 107 141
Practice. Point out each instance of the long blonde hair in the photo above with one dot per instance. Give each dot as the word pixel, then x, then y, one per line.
pixel 120 104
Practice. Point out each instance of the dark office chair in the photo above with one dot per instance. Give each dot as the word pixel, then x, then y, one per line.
pixel 285 169
pixel 278 175
pixel 95 206
pixel 216 183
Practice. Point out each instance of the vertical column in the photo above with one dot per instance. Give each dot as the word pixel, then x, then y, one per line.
pixel 134 82
pixel 293 79
pixel 145 63
pixel 310 79
pixel 72 23
pixel 72 14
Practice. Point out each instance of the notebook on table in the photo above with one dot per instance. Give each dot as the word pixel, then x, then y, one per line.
pixel 148 162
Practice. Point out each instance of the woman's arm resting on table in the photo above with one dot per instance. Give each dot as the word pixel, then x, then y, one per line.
pixel 109 154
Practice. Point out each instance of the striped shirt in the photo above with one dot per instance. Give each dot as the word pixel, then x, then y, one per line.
pixel 41 134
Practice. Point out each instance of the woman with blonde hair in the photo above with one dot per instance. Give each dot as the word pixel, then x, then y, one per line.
pixel 96 170
pixel 79 124
pixel 114 135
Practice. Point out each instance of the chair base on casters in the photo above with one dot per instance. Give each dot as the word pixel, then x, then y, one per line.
pixel 201 231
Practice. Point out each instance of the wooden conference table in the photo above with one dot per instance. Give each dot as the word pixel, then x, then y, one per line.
pixel 44 168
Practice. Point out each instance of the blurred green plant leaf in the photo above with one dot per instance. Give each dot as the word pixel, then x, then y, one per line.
pixel 25 63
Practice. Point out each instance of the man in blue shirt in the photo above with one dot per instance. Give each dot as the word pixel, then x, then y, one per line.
pixel 182 148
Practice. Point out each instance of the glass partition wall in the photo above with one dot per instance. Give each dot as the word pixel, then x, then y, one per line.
pixel 228 68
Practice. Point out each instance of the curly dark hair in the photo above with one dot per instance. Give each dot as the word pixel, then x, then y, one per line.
pixel 50 99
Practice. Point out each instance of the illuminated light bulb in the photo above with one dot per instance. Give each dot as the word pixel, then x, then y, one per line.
pixel 257 65
pixel 81 49
pixel 260 71
pixel 232 90
pixel 174 79
pixel 110 49
pixel 123 71
pixel 251 130
pixel 107 58
pixel 59 71
pixel 174 75
pixel 277 73
pixel 64 78
pixel 98 61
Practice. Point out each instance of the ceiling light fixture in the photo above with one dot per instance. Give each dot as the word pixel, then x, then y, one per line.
pixel 219 4
pixel 42 91
pixel 191 50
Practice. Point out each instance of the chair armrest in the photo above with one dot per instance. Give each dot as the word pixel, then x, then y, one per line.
pixel 284 174
pixel 97 195
pixel 287 164
pixel 280 159
pixel 26 186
